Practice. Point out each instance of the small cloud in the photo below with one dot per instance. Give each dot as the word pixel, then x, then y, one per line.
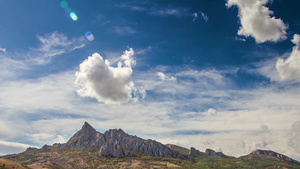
pixel 97 79
pixel 164 77
pixel 169 11
pixel 3 49
pixel 212 112
pixel 200 15
pixel 240 39
pixel 289 69
pixel 124 30
pixel 256 21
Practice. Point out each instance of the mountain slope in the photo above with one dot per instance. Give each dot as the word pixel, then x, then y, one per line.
pixel 8 164
pixel 268 154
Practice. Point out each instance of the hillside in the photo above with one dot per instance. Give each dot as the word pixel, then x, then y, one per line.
pixel 117 149
pixel 9 164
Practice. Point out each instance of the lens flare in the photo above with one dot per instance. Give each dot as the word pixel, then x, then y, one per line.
pixel 64 4
pixel 73 16
pixel 89 36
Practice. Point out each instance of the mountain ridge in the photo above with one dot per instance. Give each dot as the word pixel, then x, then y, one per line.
pixel 117 143
pixel 114 148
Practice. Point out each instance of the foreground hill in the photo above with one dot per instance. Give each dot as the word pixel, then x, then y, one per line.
pixel 117 149
pixel 8 164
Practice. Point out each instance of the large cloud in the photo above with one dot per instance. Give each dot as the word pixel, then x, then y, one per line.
pixel 257 22
pixel 97 79
pixel 289 69
pixel 12 147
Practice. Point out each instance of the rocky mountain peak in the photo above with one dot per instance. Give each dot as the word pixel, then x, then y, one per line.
pixel 86 138
pixel 272 155
pixel 87 128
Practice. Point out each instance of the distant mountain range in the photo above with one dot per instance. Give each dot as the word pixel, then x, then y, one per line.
pixel 89 148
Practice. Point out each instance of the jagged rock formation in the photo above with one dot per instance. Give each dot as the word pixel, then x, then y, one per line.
pixel 31 149
pixel 211 152
pixel 194 151
pixel 271 155
pixel 117 143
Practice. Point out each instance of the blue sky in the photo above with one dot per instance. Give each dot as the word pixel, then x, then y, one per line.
pixel 209 74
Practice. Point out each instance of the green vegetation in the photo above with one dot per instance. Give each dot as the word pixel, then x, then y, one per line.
pixel 181 150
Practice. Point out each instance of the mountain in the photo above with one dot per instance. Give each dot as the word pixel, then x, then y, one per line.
pixel 114 148
pixel 117 143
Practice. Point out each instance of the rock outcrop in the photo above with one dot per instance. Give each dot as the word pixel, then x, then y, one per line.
pixel 271 155
pixel 194 151
pixel 211 152
pixel 117 143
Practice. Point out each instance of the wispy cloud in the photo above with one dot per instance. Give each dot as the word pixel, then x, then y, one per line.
pixel 53 45
pixel 123 30
pixel 157 10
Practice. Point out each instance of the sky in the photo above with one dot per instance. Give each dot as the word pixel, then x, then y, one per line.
pixel 222 74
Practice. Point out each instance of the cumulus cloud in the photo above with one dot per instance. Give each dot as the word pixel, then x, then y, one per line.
pixel 163 77
pixel 97 79
pixel 256 21
pixel 289 69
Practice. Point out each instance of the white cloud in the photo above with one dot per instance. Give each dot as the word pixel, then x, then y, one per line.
pixel 97 79
pixel 169 11
pixel 5 131
pixel 156 10
pixel 294 137
pixel 163 77
pixel 52 45
pixel 3 49
pixel 212 112
pixel 12 147
pixel 200 15
pixel 289 69
pixel 50 92
pixel 12 69
pixel 122 30
pixel 256 21
pixel 44 138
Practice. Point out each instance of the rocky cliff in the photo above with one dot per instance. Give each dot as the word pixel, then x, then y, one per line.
pixel 117 143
